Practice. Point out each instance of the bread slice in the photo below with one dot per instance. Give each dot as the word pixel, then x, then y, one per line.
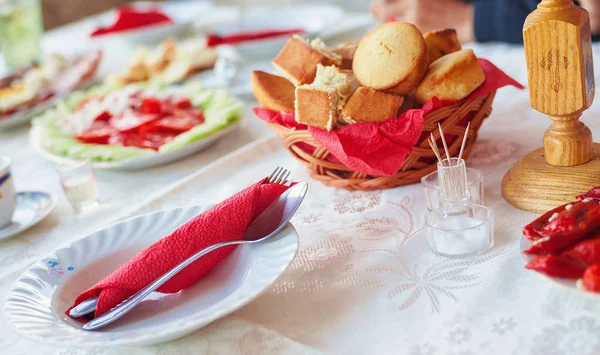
pixel 346 50
pixel 369 105
pixel 319 104
pixel 272 91
pixel 441 42
pixel 298 59
pixel 452 77
pixel 392 57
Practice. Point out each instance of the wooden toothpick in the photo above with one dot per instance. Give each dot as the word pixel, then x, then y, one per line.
pixel 462 146
pixel 444 142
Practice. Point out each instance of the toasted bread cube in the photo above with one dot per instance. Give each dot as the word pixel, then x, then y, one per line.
pixel 298 59
pixel 369 105
pixel 272 91
pixel 320 103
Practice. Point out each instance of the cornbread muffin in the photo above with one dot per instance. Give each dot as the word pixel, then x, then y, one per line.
pixel 392 58
pixel 346 50
pixel 272 91
pixel 298 59
pixel 368 105
pixel 320 103
pixel 441 42
pixel 452 77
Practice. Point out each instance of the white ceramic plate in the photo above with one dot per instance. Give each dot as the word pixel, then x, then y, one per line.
pixel 313 18
pixel 565 283
pixel 35 139
pixel 32 207
pixel 36 303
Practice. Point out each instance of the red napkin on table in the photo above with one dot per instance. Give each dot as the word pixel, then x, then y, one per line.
pixel 129 18
pixel 380 148
pixel 224 222
pixel 214 40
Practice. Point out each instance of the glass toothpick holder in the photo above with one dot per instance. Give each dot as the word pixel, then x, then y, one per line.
pixel 459 227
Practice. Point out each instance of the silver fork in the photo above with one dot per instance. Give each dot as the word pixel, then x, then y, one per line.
pixel 278 176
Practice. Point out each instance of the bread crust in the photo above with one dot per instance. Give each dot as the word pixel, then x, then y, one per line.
pixel 273 92
pixel 452 77
pixel 440 43
pixel 369 105
pixel 315 108
pixel 298 61
pixel 346 50
pixel 392 58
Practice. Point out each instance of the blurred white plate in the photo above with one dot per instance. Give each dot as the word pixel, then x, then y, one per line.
pixel 32 207
pixel 565 283
pixel 36 303
pixel 36 139
pixel 183 13
pixel 313 18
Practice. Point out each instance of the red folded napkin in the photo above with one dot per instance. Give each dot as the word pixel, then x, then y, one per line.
pixel 129 18
pixel 214 40
pixel 379 148
pixel 224 222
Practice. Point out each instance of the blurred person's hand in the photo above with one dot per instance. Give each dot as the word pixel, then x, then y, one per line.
pixel 429 15
pixel 593 7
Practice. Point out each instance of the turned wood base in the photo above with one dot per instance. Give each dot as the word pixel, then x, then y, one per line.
pixel 536 186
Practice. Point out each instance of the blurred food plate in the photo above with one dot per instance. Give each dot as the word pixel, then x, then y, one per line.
pixel 30 90
pixel 182 13
pixel 312 18
pixel 134 127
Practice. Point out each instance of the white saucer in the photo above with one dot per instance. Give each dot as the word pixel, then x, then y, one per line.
pixel 32 207
pixel 35 305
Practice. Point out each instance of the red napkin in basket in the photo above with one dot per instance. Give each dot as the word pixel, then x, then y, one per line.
pixel 226 221
pixel 129 18
pixel 380 148
pixel 214 40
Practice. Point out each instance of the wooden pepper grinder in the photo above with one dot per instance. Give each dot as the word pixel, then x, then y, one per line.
pixel 558 50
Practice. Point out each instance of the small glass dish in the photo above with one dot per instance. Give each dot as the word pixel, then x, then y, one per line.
pixel 460 230
pixel 80 185
pixel 431 188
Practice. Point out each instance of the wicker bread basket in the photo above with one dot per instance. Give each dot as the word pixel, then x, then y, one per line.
pixel 419 163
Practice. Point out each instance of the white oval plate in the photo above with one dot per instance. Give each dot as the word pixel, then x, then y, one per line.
pixel 571 285
pixel 36 303
pixel 35 139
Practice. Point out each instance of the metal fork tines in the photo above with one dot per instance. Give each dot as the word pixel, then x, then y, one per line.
pixel 278 176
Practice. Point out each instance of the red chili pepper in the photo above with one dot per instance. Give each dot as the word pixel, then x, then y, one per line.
pixel 564 266
pixel 566 227
pixel 593 193
pixel 587 250
pixel 591 278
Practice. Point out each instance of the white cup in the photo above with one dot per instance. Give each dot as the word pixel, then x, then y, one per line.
pixel 8 195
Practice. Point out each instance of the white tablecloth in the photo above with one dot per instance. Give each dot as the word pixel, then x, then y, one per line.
pixel 359 284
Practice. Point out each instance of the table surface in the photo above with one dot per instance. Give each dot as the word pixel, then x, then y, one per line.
pixel 359 283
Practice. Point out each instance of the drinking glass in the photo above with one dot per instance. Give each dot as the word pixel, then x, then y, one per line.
pixel 80 185
pixel 21 29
